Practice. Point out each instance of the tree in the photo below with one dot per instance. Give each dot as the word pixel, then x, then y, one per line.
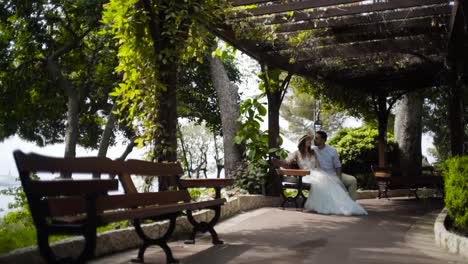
pixel 195 149
pixel 408 133
pixel 275 89
pixel 435 118
pixel 228 98
pixel 196 95
pixel 57 70
pixel 155 37
pixel 301 109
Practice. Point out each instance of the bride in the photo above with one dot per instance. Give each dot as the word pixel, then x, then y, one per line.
pixel 327 193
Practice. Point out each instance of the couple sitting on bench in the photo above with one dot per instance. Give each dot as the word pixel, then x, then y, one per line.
pixel 332 192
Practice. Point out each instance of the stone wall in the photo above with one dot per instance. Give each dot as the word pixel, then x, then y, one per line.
pixel 453 243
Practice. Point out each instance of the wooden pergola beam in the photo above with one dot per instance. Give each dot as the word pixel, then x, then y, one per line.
pixel 300 15
pixel 374 17
pixel 412 44
pixel 373 62
pixel 292 6
pixel 366 19
pixel 255 49
pixel 250 2
pixel 389 78
pixel 357 33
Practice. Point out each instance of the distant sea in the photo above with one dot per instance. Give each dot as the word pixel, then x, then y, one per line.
pixel 7 181
pixel 6 199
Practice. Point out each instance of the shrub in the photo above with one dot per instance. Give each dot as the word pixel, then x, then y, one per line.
pixel 455 172
pixel 357 148
pixel 251 176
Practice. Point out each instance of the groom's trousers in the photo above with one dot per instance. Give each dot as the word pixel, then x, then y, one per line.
pixel 350 183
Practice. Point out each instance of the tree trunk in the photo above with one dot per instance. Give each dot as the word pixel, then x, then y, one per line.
pixel 228 99
pixel 273 184
pixel 73 108
pixel 71 133
pixel 382 115
pixel 457 78
pixel 184 153
pixel 108 131
pixel 165 141
pixel 128 149
pixel 106 135
pixel 408 131
pixel 456 109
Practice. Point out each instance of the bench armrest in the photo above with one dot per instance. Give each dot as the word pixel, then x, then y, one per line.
pixel 72 187
pixel 293 172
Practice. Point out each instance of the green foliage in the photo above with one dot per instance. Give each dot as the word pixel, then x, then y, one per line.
pixel 302 107
pixel 201 194
pixel 358 151
pixel 455 172
pixel 251 176
pixel 50 50
pixel 255 140
pixel 196 96
pixel 12 237
pixel 434 120
pixel 154 37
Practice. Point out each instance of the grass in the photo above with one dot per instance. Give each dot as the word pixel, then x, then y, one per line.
pixel 19 235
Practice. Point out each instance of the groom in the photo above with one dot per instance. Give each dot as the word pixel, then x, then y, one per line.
pixel 330 162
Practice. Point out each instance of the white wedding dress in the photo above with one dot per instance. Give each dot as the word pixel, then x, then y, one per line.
pixel 328 194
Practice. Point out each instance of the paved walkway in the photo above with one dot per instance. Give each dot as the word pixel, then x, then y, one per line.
pixel 399 230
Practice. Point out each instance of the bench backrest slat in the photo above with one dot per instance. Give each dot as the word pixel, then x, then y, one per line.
pixel 141 167
pixel 37 163
pixel 63 206
pixel 76 187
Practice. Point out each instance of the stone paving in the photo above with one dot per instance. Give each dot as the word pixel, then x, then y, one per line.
pixel 397 230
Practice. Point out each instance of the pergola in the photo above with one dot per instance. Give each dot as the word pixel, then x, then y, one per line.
pixel 372 46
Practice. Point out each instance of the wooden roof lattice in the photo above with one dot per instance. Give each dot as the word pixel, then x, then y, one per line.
pixel 352 43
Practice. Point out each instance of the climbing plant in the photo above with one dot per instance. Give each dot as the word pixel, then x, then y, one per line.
pixel 155 38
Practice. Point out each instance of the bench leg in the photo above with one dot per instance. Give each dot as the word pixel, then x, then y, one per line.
pixel 413 191
pixel 204 227
pixel 289 200
pixel 87 253
pixel 383 189
pixel 162 241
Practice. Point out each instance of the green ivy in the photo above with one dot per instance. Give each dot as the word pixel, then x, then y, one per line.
pixel 153 36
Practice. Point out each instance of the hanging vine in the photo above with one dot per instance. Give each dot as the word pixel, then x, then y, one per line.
pixel 154 37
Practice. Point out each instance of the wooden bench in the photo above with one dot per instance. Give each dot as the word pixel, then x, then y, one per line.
pixel 78 207
pixel 391 178
pixel 291 178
